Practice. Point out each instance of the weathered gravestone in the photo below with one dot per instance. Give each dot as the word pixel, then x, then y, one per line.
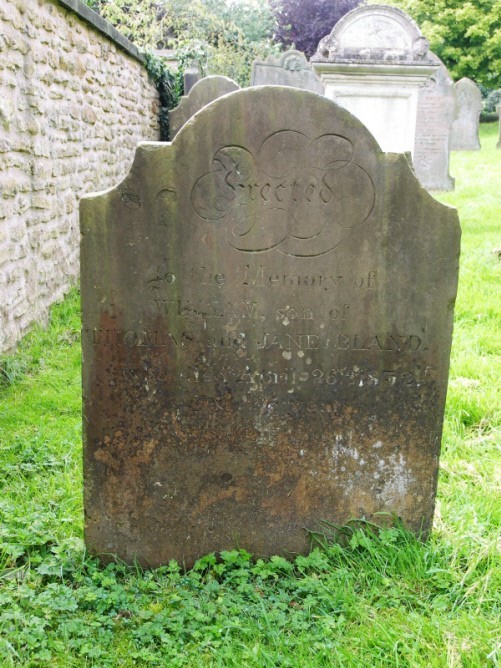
pixel 200 94
pixel 464 133
pixel 433 130
pixel 289 69
pixel 267 317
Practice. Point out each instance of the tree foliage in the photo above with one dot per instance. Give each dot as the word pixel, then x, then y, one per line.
pixel 303 23
pixel 215 36
pixel 465 35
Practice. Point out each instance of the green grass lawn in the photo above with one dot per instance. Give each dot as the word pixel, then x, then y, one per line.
pixel 380 599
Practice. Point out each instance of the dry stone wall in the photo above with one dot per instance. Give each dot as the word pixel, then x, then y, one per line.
pixel 74 101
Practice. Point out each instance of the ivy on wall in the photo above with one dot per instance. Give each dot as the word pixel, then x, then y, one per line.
pixel 169 85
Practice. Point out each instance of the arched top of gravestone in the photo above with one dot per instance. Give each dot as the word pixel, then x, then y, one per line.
pixel 288 69
pixel 203 92
pixel 374 33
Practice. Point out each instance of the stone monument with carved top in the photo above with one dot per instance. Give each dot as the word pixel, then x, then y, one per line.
pixel 289 69
pixel 432 143
pixel 202 92
pixel 267 308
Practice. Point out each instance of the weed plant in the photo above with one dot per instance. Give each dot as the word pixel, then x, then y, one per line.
pixel 377 598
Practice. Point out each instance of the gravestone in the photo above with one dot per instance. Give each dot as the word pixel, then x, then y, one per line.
pixel 433 130
pixel 464 135
pixel 200 94
pixel 289 69
pixel 267 308
pixel 377 64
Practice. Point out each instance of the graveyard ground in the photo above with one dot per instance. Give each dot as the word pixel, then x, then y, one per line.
pixel 381 599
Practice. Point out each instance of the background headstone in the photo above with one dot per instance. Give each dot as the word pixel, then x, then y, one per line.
pixel 433 131
pixel 267 317
pixel 190 78
pixel 289 69
pixel 202 93
pixel 469 104
pixel 498 108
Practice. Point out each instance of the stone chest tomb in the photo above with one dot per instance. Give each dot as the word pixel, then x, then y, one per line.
pixel 267 319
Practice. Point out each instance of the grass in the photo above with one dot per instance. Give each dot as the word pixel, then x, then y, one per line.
pixel 377 599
